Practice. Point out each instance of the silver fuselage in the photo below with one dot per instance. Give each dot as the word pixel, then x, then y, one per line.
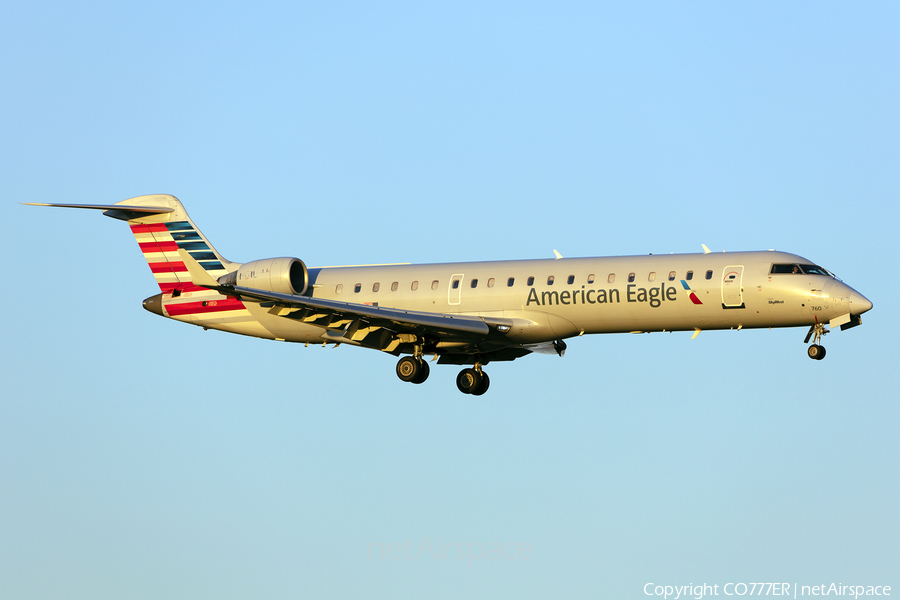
pixel 606 294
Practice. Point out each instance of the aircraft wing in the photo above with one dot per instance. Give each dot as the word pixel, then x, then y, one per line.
pixel 392 318
pixel 350 322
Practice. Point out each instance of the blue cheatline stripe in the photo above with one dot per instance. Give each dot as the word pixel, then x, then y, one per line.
pixel 204 255
pixel 685 285
pixel 185 235
pixel 178 226
pixel 211 265
pixel 193 246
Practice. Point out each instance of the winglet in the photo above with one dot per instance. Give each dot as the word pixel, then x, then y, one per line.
pixel 557 254
pixel 198 274
pixel 705 249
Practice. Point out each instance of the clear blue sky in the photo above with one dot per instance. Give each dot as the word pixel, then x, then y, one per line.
pixel 143 458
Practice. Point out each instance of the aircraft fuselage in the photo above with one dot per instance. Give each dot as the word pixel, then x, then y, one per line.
pixel 562 298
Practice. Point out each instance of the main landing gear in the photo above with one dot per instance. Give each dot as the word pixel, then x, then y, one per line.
pixel 413 369
pixel 473 381
pixel 469 381
pixel 817 350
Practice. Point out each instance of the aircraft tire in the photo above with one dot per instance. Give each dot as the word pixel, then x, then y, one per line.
pixel 408 368
pixel 468 380
pixel 485 384
pixel 424 371
pixel 816 352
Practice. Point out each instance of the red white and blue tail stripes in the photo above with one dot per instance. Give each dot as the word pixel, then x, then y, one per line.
pixel 160 243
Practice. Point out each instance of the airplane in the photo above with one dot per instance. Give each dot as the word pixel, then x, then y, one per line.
pixel 473 313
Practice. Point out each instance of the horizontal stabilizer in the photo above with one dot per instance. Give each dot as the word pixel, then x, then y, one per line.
pixel 150 210
pixel 123 212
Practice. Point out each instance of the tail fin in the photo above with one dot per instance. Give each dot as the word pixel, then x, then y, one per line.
pixel 161 226
pixel 160 236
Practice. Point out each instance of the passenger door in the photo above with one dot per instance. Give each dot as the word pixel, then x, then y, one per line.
pixel 732 292
pixel 455 289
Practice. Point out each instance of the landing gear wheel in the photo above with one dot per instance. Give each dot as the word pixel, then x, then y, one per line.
pixel 816 352
pixel 485 384
pixel 468 381
pixel 408 368
pixel 424 370
pixel 816 332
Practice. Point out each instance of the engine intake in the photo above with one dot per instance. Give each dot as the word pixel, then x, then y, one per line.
pixel 283 275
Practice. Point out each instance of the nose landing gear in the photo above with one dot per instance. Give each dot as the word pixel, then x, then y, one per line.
pixel 817 350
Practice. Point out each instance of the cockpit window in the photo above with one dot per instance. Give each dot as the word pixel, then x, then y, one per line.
pixel 814 270
pixel 776 268
pixel 800 269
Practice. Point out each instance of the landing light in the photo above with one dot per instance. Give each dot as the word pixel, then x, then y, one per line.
pixel 502 328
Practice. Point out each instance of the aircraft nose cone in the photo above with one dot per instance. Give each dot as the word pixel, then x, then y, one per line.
pixel 859 303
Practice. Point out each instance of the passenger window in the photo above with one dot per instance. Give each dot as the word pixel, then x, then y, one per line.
pixel 455 284
pixel 550 280
pixel 474 283
pixel 611 278
pixel 357 288
pixel 689 276
pixel 339 288
pixel 709 274
pixel 510 282
pixel 414 286
pixel 394 286
pixel 435 284
pixel 671 275
pixel 652 276
pixel 631 278
pixel 491 282
pixel 591 278
pixel 530 281
pixel 571 279
pixel 376 287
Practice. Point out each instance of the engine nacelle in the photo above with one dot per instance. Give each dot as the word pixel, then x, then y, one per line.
pixel 283 275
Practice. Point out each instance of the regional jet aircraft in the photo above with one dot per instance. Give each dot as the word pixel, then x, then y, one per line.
pixel 477 312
